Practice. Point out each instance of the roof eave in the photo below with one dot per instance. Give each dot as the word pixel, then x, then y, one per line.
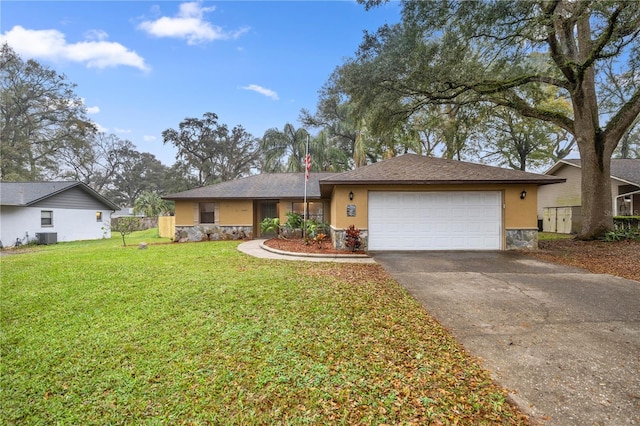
pixel 444 182
pixel 278 197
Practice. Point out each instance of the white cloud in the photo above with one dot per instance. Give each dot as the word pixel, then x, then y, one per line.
pixel 189 24
pixel 148 138
pixel 100 128
pixel 117 130
pixel 90 110
pixel 262 90
pixel 95 52
pixel 96 35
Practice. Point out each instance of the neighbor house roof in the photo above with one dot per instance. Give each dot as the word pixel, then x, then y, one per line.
pixel 417 169
pixel 624 169
pixel 264 186
pixel 28 193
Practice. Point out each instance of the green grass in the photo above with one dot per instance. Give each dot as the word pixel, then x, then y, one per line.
pixel 550 236
pixel 96 333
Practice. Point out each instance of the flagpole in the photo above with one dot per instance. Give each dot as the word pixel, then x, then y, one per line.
pixel 307 168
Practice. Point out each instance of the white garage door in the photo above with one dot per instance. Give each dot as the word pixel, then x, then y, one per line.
pixel 435 220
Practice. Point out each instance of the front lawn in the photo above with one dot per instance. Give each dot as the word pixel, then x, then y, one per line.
pixel 96 333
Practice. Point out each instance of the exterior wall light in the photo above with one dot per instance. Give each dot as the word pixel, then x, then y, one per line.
pixel 523 195
pixel 351 195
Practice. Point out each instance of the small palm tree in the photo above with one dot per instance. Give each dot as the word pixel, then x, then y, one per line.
pixel 150 204
pixel 325 156
pixel 284 150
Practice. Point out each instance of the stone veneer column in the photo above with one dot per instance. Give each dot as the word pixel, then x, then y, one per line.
pixel 337 238
pixel 522 239
pixel 212 233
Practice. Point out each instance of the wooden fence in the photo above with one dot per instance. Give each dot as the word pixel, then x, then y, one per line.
pixel 166 226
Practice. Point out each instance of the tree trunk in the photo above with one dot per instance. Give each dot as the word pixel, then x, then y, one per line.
pixel 595 149
pixel 597 217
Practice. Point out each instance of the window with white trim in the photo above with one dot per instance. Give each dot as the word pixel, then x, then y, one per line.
pixel 46 218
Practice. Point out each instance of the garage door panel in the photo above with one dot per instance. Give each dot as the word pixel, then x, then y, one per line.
pixel 465 220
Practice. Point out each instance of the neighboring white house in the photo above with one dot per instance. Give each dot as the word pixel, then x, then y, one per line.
pixel 559 204
pixel 52 211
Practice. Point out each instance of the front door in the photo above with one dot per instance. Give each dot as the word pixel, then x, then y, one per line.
pixel 267 209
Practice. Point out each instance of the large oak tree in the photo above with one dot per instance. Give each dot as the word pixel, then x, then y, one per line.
pixel 211 151
pixel 41 119
pixel 447 52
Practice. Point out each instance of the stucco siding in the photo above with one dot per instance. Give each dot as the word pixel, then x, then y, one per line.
pixel 518 214
pixel 340 218
pixel 69 224
pixel 236 213
pixel 184 213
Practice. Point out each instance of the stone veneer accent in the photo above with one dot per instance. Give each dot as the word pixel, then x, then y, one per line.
pixel 522 239
pixel 337 237
pixel 212 233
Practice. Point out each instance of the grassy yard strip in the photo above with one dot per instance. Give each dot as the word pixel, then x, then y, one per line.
pixel 96 333
pixel 552 236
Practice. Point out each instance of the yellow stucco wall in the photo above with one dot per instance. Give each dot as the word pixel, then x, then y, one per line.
pixel 520 214
pixel 230 212
pixel 184 213
pixel 236 212
pixel 340 201
pixel 517 213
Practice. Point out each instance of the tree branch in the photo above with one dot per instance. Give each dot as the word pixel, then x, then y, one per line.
pixel 556 51
pixel 521 106
pixel 620 122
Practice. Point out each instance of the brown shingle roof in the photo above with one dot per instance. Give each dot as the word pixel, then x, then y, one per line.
pixel 416 169
pixel 407 169
pixel 264 186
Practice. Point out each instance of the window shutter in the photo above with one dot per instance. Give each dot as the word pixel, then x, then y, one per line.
pixel 196 213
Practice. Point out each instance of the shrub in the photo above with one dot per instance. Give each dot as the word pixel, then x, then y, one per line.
pixel 352 238
pixel 126 225
pixel 626 222
pixel 269 225
pixel 621 233
pixel 319 239
pixel 294 220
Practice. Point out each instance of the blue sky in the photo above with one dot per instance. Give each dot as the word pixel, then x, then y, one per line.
pixel 143 66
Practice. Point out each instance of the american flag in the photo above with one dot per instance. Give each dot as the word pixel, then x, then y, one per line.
pixel 307 166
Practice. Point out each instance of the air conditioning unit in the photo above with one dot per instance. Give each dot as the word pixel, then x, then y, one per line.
pixel 47 237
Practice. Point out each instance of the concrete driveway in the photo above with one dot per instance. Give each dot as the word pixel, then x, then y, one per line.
pixel 564 342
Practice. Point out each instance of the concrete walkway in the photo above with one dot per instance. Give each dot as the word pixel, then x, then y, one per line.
pixel 256 248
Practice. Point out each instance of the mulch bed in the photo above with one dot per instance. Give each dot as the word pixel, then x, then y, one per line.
pixel 620 258
pixel 298 246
